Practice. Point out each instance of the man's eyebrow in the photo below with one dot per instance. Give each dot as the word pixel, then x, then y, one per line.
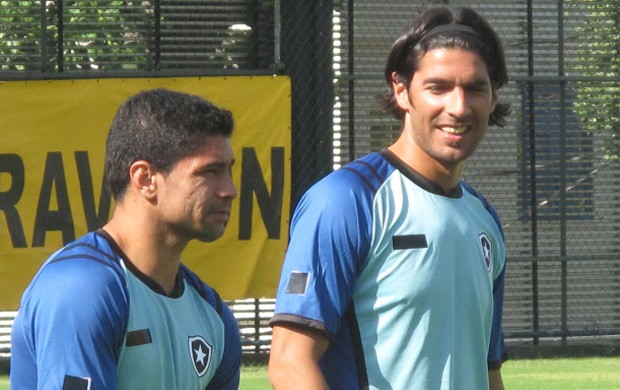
pixel 481 82
pixel 217 164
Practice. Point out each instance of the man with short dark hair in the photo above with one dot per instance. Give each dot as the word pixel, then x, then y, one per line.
pixel 116 309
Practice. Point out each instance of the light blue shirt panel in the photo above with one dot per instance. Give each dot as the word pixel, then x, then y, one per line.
pixel 406 330
pixel 166 362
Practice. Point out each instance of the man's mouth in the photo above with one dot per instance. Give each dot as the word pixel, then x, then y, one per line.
pixel 454 129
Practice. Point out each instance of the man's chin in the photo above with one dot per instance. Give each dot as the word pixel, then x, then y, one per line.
pixel 207 238
pixel 210 236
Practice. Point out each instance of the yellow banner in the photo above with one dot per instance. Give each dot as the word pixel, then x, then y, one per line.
pixel 52 147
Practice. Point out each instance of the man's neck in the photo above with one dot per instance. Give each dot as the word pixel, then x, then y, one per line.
pixel 447 177
pixel 147 248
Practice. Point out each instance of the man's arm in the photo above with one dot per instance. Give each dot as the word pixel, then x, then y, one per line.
pixel 69 328
pixel 293 362
pixel 495 380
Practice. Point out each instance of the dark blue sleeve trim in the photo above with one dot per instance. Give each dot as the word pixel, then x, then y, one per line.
pixel 487 206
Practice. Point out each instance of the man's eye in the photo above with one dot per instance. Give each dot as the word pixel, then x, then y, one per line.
pixel 480 89
pixel 438 88
pixel 208 172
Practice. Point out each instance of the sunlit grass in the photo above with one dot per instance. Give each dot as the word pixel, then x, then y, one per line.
pixel 600 373
pixel 561 373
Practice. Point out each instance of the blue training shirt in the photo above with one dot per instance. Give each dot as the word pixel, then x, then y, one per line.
pixel 407 284
pixel 90 320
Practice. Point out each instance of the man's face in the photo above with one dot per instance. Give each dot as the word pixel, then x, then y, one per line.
pixel 449 102
pixel 194 199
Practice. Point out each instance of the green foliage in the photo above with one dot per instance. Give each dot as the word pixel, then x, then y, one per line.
pixel 95 35
pixel 598 100
pixel 53 36
pixel 19 25
pixel 110 36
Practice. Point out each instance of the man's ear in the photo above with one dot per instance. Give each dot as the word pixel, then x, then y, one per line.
pixel 142 179
pixel 401 92
pixel 494 99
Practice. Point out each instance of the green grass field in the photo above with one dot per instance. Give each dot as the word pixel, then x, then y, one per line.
pixel 537 374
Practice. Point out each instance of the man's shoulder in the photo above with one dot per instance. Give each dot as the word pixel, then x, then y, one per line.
pixel 206 292
pixel 484 202
pixel 89 253
pixel 373 168
pixel 365 174
pixel 79 280
pixel 85 264
pixel 475 193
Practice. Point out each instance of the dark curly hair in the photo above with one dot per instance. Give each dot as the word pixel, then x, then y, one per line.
pixel 159 126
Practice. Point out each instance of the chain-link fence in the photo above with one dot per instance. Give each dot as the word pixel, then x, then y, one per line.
pixel 552 172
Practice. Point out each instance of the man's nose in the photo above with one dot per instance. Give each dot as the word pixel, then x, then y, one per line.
pixel 458 104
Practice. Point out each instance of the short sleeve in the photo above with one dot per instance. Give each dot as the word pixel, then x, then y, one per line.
pixel 330 235
pixel 70 326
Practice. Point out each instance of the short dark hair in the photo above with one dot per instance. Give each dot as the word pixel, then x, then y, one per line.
pixel 159 126
pixel 422 36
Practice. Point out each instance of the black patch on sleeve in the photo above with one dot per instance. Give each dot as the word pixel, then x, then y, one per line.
pixel 138 337
pixel 409 241
pixel 297 283
pixel 75 383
